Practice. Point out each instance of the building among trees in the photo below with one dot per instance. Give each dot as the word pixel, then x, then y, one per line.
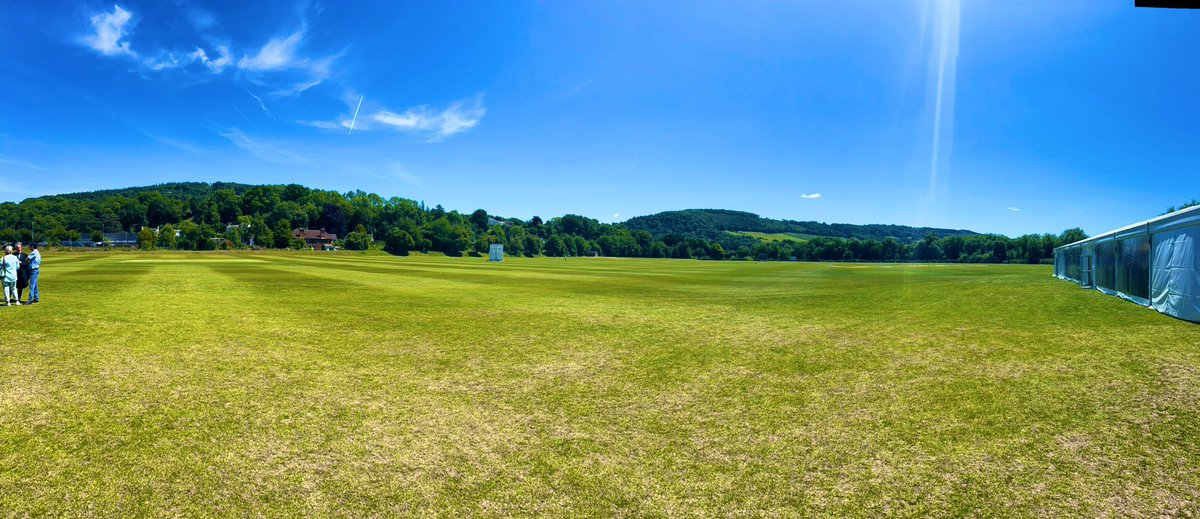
pixel 316 239
pixel 1154 263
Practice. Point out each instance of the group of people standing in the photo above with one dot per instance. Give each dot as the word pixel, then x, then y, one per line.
pixel 20 271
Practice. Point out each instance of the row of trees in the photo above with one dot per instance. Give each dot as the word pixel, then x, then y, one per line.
pixel 198 216
pixel 982 248
pixel 1191 203
pixel 718 224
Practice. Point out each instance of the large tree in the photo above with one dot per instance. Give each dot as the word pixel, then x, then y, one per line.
pixel 1072 235
pixel 227 205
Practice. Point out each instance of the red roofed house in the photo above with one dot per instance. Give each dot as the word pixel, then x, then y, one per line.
pixel 315 239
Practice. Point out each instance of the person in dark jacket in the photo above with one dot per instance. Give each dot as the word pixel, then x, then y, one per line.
pixel 22 270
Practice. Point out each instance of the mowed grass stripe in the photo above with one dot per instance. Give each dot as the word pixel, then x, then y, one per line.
pixel 358 385
pixel 451 391
pixel 138 391
pixel 431 428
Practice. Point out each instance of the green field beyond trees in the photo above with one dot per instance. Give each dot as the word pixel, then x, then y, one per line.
pixel 290 384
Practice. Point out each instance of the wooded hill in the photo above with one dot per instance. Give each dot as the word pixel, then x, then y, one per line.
pixel 230 215
pixel 172 190
pixel 716 224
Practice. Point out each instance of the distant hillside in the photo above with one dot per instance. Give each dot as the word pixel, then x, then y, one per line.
pixel 172 190
pixel 203 216
pixel 716 224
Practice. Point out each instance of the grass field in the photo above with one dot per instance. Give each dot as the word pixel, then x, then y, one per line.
pixel 341 384
pixel 774 236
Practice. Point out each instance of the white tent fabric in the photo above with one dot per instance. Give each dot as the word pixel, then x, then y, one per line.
pixel 1175 273
pixel 1158 263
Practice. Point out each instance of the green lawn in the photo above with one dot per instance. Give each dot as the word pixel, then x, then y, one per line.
pixel 340 384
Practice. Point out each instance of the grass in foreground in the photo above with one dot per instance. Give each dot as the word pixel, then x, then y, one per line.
pixel 246 384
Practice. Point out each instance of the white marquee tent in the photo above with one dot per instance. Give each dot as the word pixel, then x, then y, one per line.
pixel 1154 263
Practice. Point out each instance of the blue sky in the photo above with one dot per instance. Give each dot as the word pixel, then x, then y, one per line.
pixel 1009 117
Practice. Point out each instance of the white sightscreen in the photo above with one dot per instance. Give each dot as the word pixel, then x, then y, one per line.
pixel 1175 273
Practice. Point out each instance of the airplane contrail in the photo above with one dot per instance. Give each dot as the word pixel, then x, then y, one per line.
pixel 355 118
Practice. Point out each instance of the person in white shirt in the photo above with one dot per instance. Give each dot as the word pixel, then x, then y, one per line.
pixel 35 266
pixel 8 275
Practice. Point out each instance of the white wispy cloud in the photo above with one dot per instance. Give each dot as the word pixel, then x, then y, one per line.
pixel 278 53
pixel 397 171
pixel 297 88
pixel 109 30
pixel 262 149
pixel 811 196
pixel 327 125
pixel 223 60
pixel 389 172
pixel 400 173
pixel 167 60
pixel 110 37
pixel 261 104
pixel 21 163
pixel 1015 209
pixel 424 121
pixel 14 192
pixel 571 91
pixel 175 143
pixel 201 19
pixel 433 123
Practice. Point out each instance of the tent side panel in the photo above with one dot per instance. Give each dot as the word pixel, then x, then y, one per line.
pixel 1175 273
pixel 1072 267
pixel 1133 269
pixel 1106 266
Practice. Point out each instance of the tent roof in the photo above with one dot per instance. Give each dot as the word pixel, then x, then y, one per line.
pixel 1182 217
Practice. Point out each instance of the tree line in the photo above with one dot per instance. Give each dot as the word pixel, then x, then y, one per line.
pixel 1191 203
pixel 716 224
pixel 979 248
pixel 200 216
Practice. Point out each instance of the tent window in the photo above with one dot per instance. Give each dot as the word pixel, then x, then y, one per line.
pixel 1106 265
pixel 1133 267
pixel 1073 264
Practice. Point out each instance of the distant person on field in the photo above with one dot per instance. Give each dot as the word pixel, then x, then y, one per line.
pixel 8 276
pixel 22 270
pixel 34 265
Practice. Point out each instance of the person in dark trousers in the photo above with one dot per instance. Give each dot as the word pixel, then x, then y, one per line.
pixel 35 267
pixel 22 270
